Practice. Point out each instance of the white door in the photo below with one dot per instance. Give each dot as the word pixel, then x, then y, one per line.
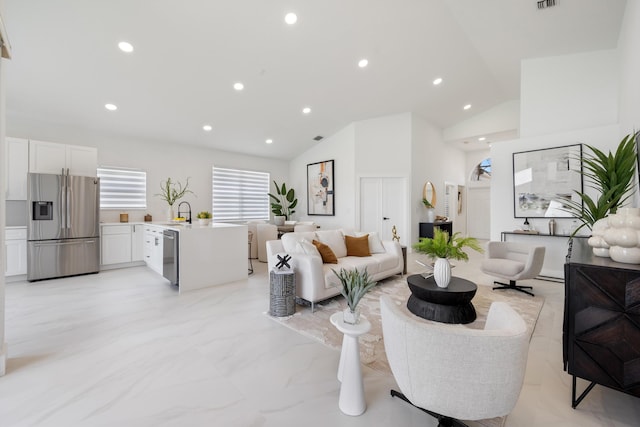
pixel 478 223
pixel 383 206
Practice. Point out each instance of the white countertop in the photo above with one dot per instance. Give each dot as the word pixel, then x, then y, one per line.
pixel 179 226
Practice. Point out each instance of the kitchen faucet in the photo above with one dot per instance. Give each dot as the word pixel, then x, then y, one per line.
pixel 189 220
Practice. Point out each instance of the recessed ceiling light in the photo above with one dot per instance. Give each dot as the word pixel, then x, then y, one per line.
pixel 269 141
pixel 466 107
pixel 125 47
pixel 363 63
pixel 437 81
pixel 111 107
pixel 291 18
pixel 306 110
pixel 207 128
pixel 238 86
pixel 482 138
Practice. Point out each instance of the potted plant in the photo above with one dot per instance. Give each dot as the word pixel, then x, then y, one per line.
pixel 431 212
pixel 611 175
pixel 171 192
pixel 204 217
pixel 283 204
pixel 442 248
pixel 354 284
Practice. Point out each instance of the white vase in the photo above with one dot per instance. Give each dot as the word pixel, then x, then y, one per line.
pixel 351 317
pixel 431 215
pixel 597 241
pixel 279 220
pixel 623 236
pixel 170 213
pixel 204 221
pixel 442 272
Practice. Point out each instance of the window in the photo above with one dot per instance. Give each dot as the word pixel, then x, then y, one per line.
pixel 122 188
pixel 240 195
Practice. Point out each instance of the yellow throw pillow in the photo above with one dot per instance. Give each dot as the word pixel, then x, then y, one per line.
pixel 328 257
pixel 357 246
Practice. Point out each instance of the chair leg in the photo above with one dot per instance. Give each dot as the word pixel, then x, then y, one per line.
pixel 512 285
pixel 443 421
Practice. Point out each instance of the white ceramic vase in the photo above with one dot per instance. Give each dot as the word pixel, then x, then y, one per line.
pixel 351 317
pixel 431 215
pixel 170 213
pixel 442 272
pixel 279 220
pixel 596 241
pixel 623 236
pixel 204 221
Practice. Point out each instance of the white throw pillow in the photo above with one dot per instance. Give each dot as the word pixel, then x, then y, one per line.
pixel 308 248
pixel 290 240
pixel 375 244
pixel 335 240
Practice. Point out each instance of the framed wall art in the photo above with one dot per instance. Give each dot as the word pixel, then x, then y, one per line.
pixel 320 189
pixel 543 179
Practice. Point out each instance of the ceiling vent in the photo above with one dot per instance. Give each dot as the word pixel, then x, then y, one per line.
pixel 318 138
pixel 546 3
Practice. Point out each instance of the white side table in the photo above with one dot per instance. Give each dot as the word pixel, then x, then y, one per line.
pixel 349 373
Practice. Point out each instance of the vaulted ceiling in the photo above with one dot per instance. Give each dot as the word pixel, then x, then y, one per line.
pixel 189 54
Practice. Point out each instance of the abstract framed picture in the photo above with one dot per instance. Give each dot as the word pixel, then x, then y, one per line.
pixel 544 179
pixel 320 189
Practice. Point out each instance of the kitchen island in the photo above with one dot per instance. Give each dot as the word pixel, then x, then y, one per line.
pixel 207 255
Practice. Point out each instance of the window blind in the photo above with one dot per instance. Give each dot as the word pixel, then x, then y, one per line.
pixel 122 188
pixel 239 195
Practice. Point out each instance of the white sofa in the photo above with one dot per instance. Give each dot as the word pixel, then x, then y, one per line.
pixel 316 281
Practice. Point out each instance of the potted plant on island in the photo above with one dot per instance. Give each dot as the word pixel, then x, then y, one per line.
pixel 355 284
pixel 442 248
pixel 283 204
pixel 171 192
pixel 204 217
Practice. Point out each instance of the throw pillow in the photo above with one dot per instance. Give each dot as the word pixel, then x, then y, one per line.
pixel 328 257
pixel 308 248
pixel 375 244
pixel 357 246
pixel 335 240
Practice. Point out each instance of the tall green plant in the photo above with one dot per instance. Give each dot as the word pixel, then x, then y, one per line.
pixel 284 201
pixel 441 246
pixel 354 285
pixel 611 175
pixel 173 191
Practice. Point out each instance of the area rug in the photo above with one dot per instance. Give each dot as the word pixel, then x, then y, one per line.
pixel 372 354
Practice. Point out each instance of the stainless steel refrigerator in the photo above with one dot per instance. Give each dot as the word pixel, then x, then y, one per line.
pixel 63 229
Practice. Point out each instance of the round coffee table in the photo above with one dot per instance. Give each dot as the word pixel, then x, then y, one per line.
pixel 447 305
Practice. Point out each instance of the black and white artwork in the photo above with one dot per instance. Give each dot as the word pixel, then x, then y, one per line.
pixel 543 179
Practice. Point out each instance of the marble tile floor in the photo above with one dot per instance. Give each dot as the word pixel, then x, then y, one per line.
pixel 123 348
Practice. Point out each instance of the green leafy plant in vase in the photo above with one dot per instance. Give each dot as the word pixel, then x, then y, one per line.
pixel 204 217
pixel 283 203
pixel 431 211
pixel 171 192
pixel 442 248
pixel 354 285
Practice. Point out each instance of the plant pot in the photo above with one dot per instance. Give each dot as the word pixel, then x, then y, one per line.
pixel 351 317
pixel 431 215
pixel 279 220
pixel 170 215
pixel 204 221
pixel 442 272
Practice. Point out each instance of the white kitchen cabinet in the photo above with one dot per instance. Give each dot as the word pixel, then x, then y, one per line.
pixel 17 167
pixel 153 248
pixel 50 157
pixel 16 251
pixel 116 244
pixel 137 242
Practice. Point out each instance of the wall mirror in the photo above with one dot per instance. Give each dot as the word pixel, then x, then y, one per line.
pixel 543 179
pixel 429 193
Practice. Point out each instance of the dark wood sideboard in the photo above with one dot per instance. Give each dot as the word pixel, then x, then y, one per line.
pixel 601 330
pixel 426 228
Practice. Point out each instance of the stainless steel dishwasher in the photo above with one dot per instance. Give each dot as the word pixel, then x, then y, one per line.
pixel 170 261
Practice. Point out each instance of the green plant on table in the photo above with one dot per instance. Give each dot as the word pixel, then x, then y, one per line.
pixel 355 284
pixel 427 204
pixel 171 191
pixel 204 215
pixel 441 246
pixel 284 201
pixel 611 175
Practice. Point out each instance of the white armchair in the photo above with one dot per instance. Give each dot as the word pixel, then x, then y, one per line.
pixel 457 373
pixel 513 261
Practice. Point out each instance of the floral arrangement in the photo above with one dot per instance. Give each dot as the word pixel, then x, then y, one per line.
pixel 173 191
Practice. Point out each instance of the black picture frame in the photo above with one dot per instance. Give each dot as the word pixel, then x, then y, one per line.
pixel 320 188
pixel 543 178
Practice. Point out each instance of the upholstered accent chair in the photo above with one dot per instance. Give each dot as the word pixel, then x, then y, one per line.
pixel 454 372
pixel 512 261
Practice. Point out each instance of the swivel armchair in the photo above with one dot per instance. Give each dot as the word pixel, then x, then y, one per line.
pixel 512 261
pixel 456 373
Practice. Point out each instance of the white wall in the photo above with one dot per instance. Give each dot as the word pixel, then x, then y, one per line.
pixel 629 46
pixel 563 93
pixel 502 118
pixel 3 345
pixel 159 160
pixel 339 147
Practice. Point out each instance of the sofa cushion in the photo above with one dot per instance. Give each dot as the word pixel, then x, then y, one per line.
pixel 357 246
pixel 375 244
pixel 505 267
pixel 290 240
pixel 335 240
pixel 385 261
pixel 328 257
